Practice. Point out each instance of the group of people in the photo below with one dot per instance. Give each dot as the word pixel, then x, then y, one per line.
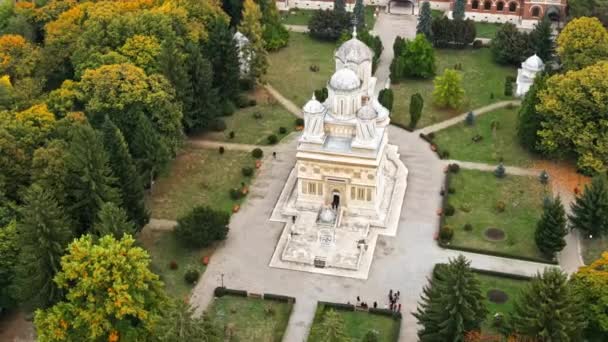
pixel 393 302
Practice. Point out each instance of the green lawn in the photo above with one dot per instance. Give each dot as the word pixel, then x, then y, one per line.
pixel 481 78
pixel 198 177
pixel 358 323
pixel 486 30
pixel 302 16
pixel 250 319
pixel 476 196
pixel 593 248
pixel 497 145
pixel 289 70
pixel 249 130
pixel 164 248
pixel 509 286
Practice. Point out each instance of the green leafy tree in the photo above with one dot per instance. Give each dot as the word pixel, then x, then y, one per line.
pixel 9 254
pixel 548 309
pixel 359 15
pixel 425 21
pixel 275 34
pixel 458 12
pixel 573 120
pixel 49 170
pixel 44 232
pixel 339 6
pixel 582 42
pixel 416 105
pixel 179 324
pixel 89 180
pixel 451 304
pixel 113 220
pixel 331 328
pixel 221 50
pixel 551 228
pixel 329 25
pixel 530 120
pixel 251 27
pixel 111 294
pixel 591 283
pixel 541 39
pixel 448 91
pixel 123 167
pixel 202 226
pixel 416 58
pixel 589 212
pixel 510 46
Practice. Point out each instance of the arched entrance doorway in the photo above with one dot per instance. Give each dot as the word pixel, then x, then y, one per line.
pixel 335 203
pixel 401 7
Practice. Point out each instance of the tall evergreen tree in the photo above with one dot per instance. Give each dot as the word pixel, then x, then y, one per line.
pixel 43 234
pixel 152 152
pixel 458 12
pixel 340 6
pixel 234 9
pixel 123 167
pixel 548 309
pixel 112 220
pixel 203 105
pixel 173 63
pixel 179 324
pixel 541 39
pixel 251 27
pixel 551 229
pixel 275 33
pixel 416 105
pixel 331 329
pixel 590 210
pixel 359 15
pixel 452 303
pixel 89 181
pixel 425 21
pixel 530 120
pixel 221 50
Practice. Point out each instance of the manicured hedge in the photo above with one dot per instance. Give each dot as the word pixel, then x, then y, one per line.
pixel 279 298
pixel 497 254
pixel 385 312
pixel 222 291
pixel 338 306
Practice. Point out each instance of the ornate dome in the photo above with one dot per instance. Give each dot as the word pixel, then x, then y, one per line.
pixel 313 106
pixel 367 112
pixel 533 63
pixel 345 79
pixel 354 51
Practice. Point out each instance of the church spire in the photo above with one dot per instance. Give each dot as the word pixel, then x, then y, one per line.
pixel 355 31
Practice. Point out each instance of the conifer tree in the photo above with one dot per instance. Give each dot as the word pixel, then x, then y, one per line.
pixel 416 104
pixel 221 51
pixel 425 21
pixel 541 39
pixel 180 324
pixel 340 6
pixel 590 210
pixel 203 105
pixel 89 180
pixel 548 310
pixel 551 229
pixel 112 220
pixel 331 329
pixel 529 121
pixel 43 234
pixel 152 151
pixel 123 167
pixel 451 304
pixel 251 27
pixel 458 12
pixel 359 14
pixel 275 33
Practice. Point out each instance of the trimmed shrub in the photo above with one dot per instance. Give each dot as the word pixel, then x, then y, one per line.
pixel 272 139
pixel 451 191
pixel 469 120
pixel 231 135
pixel 299 122
pixel 173 265
pixel 257 153
pixel 329 25
pixel 508 88
pixel 500 206
pixel 477 44
pixel 500 171
pixel 446 233
pixel 454 168
pixel 247 171
pixel 217 125
pixel 191 276
pixel 468 227
pixel 449 210
pixel 321 94
pixel 257 115
pixel 202 226
pixel 444 154
pixel 228 108
pixel 219 291
pixel 236 194
pixel 282 130
pixel 221 150
pixel 279 298
pixel 386 98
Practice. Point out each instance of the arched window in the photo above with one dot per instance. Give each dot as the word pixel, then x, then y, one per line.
pixel 512 6
pixel 475 4
pixel 536 11
pixel 487 5
pixel 500 6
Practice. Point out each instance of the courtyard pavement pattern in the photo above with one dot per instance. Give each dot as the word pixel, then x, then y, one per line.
pixel 400 263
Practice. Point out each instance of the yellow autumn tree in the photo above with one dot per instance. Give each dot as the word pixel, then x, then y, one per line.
pixel 448 91
pixel 583 42
pixel 18 57
pixel 111 294
pixel 591 283
pixel 251 27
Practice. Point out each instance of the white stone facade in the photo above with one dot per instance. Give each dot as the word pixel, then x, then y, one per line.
pixel 348 183
pixel 527 73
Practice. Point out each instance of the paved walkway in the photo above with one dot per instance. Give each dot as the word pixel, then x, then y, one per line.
pixel 214 145
pixel 285 102
pixel 511 170
pixel 297 28
pixel 457 119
